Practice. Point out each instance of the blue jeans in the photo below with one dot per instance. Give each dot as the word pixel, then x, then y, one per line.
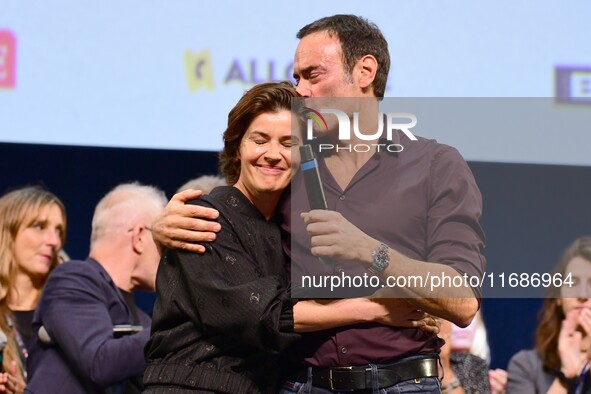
pixel 422 385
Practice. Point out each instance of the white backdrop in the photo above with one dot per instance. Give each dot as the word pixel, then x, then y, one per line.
pixel 161 74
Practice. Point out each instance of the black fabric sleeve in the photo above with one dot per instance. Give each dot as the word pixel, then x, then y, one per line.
pixel 231 292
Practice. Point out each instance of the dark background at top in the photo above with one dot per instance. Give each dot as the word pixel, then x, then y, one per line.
pixel 531 212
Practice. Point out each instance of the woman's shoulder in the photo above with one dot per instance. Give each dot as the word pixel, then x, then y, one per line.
pixel 528 357
pixel 526 374
pixel 215 197
pixel 220 197
pixel 229 201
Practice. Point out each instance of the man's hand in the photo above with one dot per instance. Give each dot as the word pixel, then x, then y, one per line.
pixel 334 236
pixel 182 226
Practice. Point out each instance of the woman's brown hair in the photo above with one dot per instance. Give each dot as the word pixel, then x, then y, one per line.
pixel 262 98
pixel 551 314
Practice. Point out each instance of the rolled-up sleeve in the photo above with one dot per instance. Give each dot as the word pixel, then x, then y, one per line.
pixel 454 234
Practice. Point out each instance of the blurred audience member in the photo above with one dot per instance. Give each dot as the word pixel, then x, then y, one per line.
pixel 464 372
pixel 205 183
pixel 32 232
pixel 89 334
pixel 472 339
pixel 466 355
pixel 560 361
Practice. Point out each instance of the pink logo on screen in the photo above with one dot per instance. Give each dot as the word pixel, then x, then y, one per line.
pixel 7 59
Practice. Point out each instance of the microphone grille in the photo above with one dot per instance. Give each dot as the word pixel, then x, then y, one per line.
pixel 306 153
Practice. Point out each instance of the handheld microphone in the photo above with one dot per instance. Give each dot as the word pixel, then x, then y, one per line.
pixel 314 189
pixel 309 167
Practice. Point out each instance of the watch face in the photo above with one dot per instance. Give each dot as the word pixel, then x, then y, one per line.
pixel 381 258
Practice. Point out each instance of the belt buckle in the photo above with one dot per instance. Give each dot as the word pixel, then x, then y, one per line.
pixel 331 385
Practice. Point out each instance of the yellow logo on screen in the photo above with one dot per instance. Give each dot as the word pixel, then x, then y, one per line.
pixel 199 70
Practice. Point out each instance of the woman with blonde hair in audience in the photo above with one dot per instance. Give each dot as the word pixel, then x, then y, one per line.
pixel 32 232
pixel 465 358
pixel 560 361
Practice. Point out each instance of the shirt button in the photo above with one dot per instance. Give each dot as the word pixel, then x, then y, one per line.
pixel 342 197
pixel 344 350
pixel 338 269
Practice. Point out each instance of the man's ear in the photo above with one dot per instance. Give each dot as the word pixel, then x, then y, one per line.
pixel 137 238
pixel 367 68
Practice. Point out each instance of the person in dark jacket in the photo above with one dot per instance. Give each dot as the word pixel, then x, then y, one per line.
pixel 88 333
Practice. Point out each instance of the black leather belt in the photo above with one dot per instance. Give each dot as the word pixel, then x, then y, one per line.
pixel 360 378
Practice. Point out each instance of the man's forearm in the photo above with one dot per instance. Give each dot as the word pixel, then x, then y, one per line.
pixel 317 315
pixel 453 299
pixel 454 303
pixel 432 287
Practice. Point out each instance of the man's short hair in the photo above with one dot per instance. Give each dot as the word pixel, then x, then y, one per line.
pixel 205 183
pixel 123 207
pixel 358 38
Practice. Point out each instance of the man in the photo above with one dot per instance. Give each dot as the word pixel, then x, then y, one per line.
pixel 89 334
pixel 426 210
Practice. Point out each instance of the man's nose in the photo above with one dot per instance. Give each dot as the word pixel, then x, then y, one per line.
pixel 303 89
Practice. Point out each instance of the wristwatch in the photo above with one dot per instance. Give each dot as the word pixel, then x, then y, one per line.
pixel 381 259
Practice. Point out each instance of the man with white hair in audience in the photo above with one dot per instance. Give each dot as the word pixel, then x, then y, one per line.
pixel 205 183
pixel 89 334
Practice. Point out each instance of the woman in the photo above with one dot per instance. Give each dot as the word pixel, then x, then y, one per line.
pixel 220 318
pixel 560 361
pixel 465 358
pixel 32 232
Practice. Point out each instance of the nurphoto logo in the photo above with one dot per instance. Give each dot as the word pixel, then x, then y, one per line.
pixel 317 123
